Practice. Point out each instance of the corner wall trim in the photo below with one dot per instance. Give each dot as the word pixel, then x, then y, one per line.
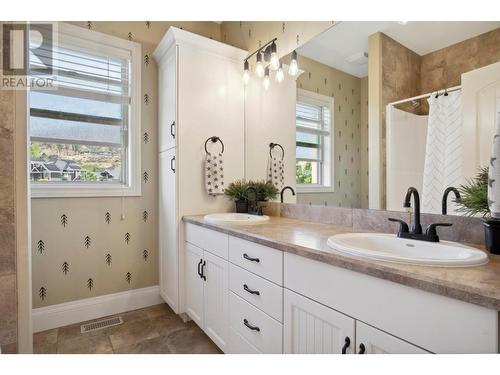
pixel 63 314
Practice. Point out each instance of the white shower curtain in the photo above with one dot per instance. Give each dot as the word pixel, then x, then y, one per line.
pixel 443 154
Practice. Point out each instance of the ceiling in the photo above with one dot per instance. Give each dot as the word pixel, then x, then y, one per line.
pixel 343 45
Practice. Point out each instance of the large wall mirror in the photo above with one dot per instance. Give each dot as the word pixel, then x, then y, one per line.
pixel 381 106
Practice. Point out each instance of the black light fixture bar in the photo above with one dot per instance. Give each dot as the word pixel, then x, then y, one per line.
pixel 261 48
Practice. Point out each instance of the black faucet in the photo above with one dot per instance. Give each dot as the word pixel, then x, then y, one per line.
pixel 284 189
pixel 253 208
pixel 416 229
pixel 444 208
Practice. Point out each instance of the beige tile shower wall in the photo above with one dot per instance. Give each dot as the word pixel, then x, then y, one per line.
pixel 346 91
pixel 8 292
pixel 250 35
pixel 444 68
pixel 116 248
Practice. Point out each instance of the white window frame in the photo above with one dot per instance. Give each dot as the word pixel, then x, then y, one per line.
pixel 328 172
pixel 132 187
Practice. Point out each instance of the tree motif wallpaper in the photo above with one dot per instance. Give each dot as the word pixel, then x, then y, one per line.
pixel 350 153
pixel 87 247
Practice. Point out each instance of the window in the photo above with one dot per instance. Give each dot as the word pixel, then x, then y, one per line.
pixel 314 169
pixel 85 133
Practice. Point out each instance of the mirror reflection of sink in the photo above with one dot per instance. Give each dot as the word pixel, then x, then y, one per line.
pixel 234 218
pixel 388 247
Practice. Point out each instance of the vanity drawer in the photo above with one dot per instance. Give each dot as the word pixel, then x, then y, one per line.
pixel 267 333
pixel 206 239
pixel 261 260
pixel 238 345
pixel 261 293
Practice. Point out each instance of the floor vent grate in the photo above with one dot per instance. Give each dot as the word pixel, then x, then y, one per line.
pixel 100 324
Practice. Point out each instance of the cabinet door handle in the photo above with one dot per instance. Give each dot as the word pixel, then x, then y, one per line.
pixel 199 270
pixel 362 349
pixel 172 129
pixel 253 328
pixel 250 258
pixel 347 342
pixel 172 164
pixel 256 292
pixel 203 271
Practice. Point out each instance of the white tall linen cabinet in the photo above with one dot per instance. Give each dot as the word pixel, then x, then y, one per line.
pixel 194 106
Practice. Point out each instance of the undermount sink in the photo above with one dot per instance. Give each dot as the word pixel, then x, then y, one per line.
pixel 388 247
pixel 234 218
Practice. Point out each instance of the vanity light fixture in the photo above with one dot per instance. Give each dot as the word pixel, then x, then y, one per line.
pixel 259 67
pixel 246 72
pixel 274 61
pixel 267 59
pixel 293 69
pixel 280 76
pixel 267 81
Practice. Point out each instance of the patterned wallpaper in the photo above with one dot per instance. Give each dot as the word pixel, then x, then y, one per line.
pixel 81 247
pixel 348 154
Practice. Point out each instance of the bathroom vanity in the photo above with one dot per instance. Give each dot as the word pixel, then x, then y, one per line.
pixel 278 288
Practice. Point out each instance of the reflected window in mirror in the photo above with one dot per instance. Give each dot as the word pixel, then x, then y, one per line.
pixel 314 146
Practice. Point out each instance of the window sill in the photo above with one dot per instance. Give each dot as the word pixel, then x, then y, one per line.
pixel 56 190
pixel 314 189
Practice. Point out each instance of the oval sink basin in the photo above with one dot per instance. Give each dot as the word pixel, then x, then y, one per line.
pixel 389 247
pixel 233 218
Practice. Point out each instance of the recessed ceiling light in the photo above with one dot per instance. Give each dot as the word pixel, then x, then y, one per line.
pixel 402 22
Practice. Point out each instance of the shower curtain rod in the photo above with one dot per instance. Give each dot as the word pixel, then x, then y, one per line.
pixel 455 88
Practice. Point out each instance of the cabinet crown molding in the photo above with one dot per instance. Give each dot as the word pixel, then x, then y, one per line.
pixel 177 36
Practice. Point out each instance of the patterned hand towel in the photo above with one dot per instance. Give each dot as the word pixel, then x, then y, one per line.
pixel 276 171
pixel 214 174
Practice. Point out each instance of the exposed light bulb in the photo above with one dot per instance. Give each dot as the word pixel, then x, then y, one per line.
pixel 280 76
pixel 293 69
pixel 266 81
pixel 274 62
pixel 246 72
pixel 259 67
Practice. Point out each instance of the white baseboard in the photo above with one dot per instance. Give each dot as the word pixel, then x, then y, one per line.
pixel 73 312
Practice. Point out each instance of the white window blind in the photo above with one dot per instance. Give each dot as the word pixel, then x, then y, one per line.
pixel 313 121
pixel 84 122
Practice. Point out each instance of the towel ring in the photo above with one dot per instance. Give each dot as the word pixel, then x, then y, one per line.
pixel 214 139
pixel 273 145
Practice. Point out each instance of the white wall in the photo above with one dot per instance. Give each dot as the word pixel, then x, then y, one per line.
pixel 406 140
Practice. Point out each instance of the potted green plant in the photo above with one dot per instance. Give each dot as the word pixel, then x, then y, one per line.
pixel 237 191
pixel 474 202
pixel 265 190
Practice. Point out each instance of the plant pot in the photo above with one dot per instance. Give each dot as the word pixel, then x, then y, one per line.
pixel 241 206
pixel 492 235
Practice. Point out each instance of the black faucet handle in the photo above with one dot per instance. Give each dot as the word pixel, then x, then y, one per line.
pixel 403 227
pixel 431 229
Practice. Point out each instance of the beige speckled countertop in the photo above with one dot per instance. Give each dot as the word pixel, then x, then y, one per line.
pixel 479 285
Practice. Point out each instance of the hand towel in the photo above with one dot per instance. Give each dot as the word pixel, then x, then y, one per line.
pixel 214 174
pixel 276 172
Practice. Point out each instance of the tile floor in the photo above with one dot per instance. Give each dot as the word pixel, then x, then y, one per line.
pixel 152 330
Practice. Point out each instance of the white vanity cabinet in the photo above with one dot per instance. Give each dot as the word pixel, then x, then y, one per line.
pixel 312 328
pixel 207 282
pixel 257 299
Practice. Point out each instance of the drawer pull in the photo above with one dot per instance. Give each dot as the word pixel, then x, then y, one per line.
pixel 199 265
pixel 203 271
pixel 362 349
pixel 172 129
pixel 253 328
pixel 256 292
pixel 347 342
pixel 250 258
